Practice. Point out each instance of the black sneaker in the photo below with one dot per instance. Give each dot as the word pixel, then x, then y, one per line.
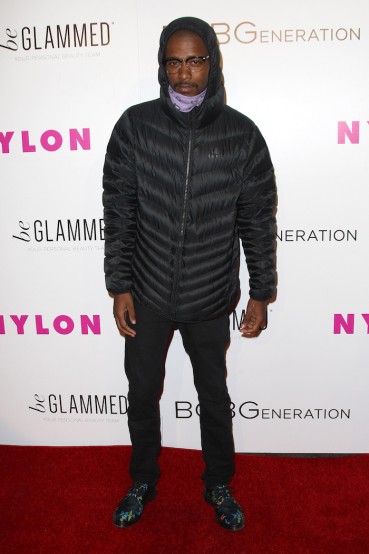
pixel 130 508
pixel 228 512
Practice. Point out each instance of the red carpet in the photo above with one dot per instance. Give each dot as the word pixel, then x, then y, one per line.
pixel 60 500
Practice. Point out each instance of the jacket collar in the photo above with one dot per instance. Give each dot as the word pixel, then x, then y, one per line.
pixel 201 115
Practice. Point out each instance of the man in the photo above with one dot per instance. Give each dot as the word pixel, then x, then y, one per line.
pixel 184 178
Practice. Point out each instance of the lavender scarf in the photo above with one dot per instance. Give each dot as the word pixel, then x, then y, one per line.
pixel 185 103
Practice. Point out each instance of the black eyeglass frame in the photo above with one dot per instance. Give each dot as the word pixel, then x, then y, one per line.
pixel 185 60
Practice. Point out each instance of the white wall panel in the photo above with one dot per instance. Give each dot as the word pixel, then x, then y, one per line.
pixel 297 89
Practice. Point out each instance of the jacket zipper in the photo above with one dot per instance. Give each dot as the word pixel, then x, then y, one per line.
pixel 183 223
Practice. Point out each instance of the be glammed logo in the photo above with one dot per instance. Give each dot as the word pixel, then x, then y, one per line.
pixel 60 230
pixel 72 404
pixel 55 37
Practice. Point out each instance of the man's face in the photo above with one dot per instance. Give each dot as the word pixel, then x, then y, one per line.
pixel 182 45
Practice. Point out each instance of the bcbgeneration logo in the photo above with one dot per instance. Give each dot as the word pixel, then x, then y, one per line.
pixel 61 324
pixel 247 32
pixel 50 140
pixel 251 410
pixel 350 131
pixel 55 37
pixel 317 235
pixel 346 323
pixel 60 231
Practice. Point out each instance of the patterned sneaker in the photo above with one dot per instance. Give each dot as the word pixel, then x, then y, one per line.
pixel 130 508
pixel 228 512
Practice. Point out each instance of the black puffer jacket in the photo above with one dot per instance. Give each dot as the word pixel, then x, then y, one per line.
pixel 179 191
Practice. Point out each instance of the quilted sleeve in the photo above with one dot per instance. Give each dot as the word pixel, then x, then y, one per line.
pixel 256 218
pixel 120 204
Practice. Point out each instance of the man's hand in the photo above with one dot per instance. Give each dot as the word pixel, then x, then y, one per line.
pixel 123 305
pixel 255 319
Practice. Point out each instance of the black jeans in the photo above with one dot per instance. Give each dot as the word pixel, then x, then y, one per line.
pixel 205 343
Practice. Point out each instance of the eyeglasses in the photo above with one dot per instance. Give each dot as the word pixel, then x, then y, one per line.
pixel 193 63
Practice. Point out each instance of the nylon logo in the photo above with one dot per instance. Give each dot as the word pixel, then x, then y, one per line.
pixel 347 323
pixel 62 324
pixel 50 140
pixel 350 131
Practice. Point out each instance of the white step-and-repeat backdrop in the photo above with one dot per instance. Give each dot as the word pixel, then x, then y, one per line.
pixel 300 71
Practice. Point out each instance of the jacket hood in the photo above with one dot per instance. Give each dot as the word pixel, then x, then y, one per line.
pixel 207 33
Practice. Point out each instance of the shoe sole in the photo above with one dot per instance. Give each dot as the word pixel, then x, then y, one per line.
pixel 225 526
pixel 148 498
